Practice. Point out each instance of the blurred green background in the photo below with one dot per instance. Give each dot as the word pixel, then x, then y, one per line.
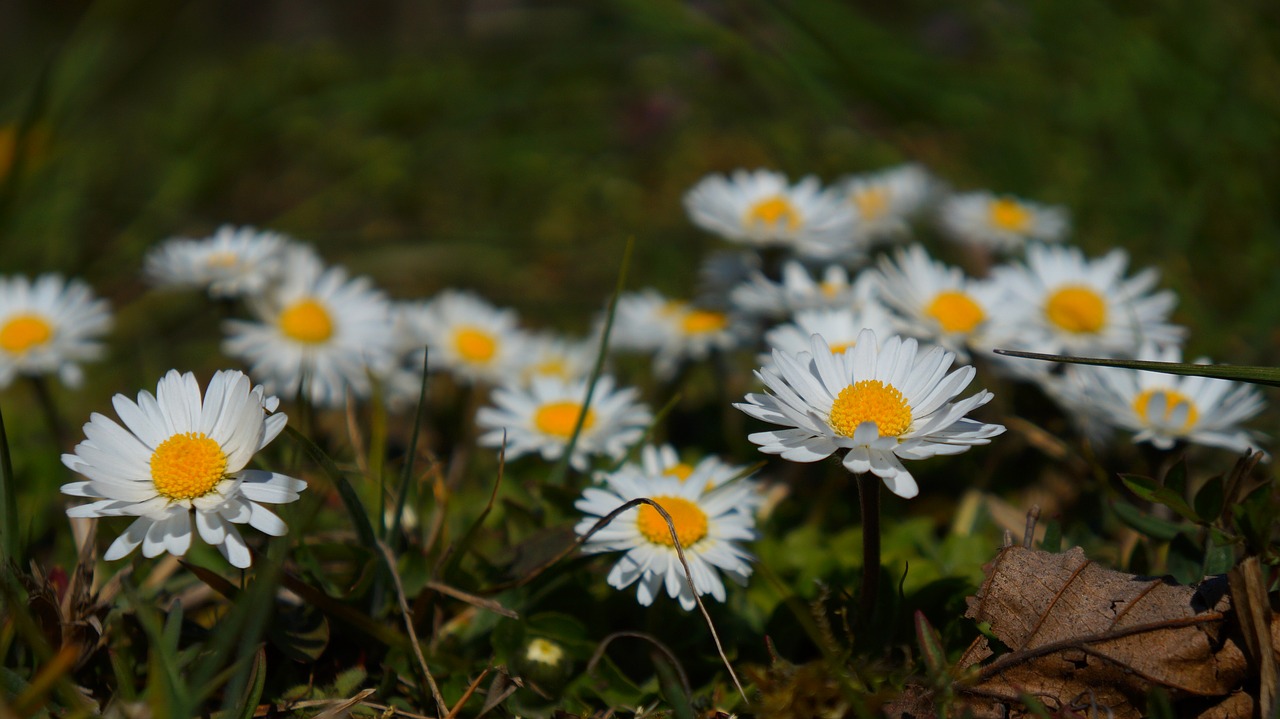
pixel 511 146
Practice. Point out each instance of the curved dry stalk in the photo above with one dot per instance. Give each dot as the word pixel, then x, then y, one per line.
pixel 408 625
pixel 666 651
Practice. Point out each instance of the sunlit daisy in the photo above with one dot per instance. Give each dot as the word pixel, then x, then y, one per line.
pixel 764 209
pixel 880 403
pixel 319 327
pixel 797 290
pixel 1000 222
pixel 49 326
pixel 839 327
pixel 887 199
pixel 1163 409
pixel 1059 302
pixel 545 354
pixel 179 454
pixel 469 337
pixel 708 524
pixel 541 418
pixel 675 331
pixel 935 302
pixel 710 471
pixel 233 262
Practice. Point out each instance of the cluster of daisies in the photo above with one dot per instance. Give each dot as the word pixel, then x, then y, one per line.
pixel 858 333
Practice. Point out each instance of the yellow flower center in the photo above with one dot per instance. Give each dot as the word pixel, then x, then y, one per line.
pixel 474 344
pixel 22 332
pixel 222 260
pixel 1172 399
pixel 1010 215
pixel 870 401
pixel 680 470
pixel 559 418
pixel 872 203
pixel 839 347
pixel 187 466
pixel 830 289
pixel 704 321
pixel 955 311
pixel 772 212
pixel 544 651
pixel 552 368
pixel 1077 309
pixel 688 519
pixel 306 321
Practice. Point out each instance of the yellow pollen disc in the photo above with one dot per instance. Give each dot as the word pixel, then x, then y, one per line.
pixel 680 470
pixel 688 519
pixel 839 347
pixel 830 289
pixel 222 260
pixel 703 321
pixel 559 418
pixel 306 321
pixel 870 401
pixel 1077 309
pixel 552 368
pixel 22 332
pixel 187 466
pixel 872 202
pixel 772 212
pixel 1171 401
pixel 474 344
pixel 955 311
pixel 1010 215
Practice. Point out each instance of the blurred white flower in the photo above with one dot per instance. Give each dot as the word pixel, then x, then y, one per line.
pixel 1000 222
pixel 49 326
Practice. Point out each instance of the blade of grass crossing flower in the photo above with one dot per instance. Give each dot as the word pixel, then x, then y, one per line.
pixel 406 473
pixel 1269 376
pixel 661 414
pixel 10 553
pixel 359 516
pixel 562 467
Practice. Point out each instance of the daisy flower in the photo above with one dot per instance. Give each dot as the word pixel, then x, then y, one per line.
pixel 797 290
pixel 1000 222
pixel 839 327
pixel 469 337
pixel 710 471
pixel 1163 409
pixel 233 262
pixel 1059 302
pixel 935 302
pixel 709 525
pixel 887 199
pixel 318 324
pixel 763 209
pixel 674 330
pixel 49 326
pixel 542 417
pixel 179 454
pixel 881 403
pixel 545 354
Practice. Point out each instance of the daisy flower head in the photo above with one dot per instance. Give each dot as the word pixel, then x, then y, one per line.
pixel 710 471
pixel 934 302
pixel 49 326
pixel 317 324
pixel 545 354
pixel 1000 222
pixel 709 524
pixel 233 262
pixel 675 331
pixel 886 200
pixel 469 337
pixel 881 403
pixel 763 209
pixel 541 419
pixel 797 290
pixel 1060 302
pixel 1164 409
pixel 840 328
pixel 180 454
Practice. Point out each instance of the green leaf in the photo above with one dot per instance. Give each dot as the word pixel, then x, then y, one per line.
pixel 1256 375
pixel 247 704
pixel 1175 480
pixel 300 632
pixel 1052 541
pixel 931 649
pixel 1147 488
pixel 1155 528
pixel 1185 560
pixel 1218 558
pixel 1210 500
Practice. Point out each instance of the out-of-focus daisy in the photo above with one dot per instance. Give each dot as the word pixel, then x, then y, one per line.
pixel 797 290
pixel 1000 222
pixel 469 337
pixel 49 326
pixel 1163 409
pixel 179 454
pixel 881 403
pixel 708 524
pixel 316 324
pixel 839 327
pixel 674 330
pixel 233 262
pixel 541 418
pixel 710 471
pixel 935 302
pixel 544 354
pixel 1059 302
pixel 763 209
pixel 886 200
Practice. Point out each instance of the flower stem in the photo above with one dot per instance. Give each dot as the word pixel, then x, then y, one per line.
pixel 52 420
pixel 869 500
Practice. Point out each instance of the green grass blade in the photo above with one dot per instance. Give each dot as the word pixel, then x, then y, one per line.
pixel 406 475
pixel 359 516
pixel 9 547
pixel 1269 376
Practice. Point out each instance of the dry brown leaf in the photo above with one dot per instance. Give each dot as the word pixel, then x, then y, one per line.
pixel 1082 636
